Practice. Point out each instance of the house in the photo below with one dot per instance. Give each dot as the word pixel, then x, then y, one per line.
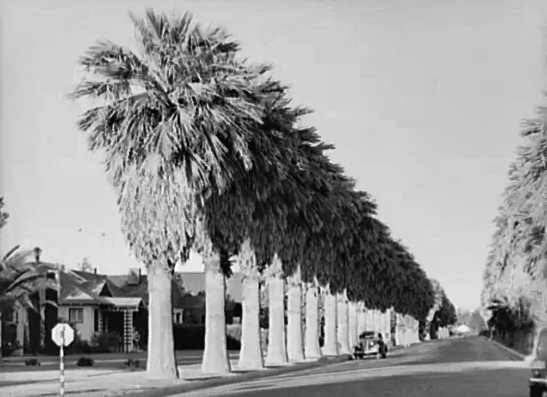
pixel 95 303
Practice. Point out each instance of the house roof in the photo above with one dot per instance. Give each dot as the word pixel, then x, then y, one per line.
pixel 118 286
pixel 125 302
pixel 74 290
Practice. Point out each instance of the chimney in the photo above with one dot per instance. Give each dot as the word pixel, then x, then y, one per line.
pixel 37 253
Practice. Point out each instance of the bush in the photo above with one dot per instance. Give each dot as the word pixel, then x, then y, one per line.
pixel 233 336
pixel 192 337
pixel 132 364
pixel 32 362
pixel 189 336
pixel 105 342
pixel 85 362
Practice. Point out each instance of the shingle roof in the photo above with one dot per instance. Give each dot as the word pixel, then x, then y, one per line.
pixel 74 290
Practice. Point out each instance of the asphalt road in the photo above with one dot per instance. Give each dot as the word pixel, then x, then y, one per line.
pixel 471 367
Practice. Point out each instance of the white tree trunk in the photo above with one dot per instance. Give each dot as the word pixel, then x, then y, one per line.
pixel 1 343
pixel 277 352
pixel 215 355
pixel 161 349
pixel 330 347
pixel 312 350
pixel 361 320
pixel 250 354
pixel 369 322
pixel 352 324
pixel 294 327
pixel 384 325
pixel 343 324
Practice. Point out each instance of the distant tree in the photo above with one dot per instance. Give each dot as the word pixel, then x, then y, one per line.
pixel 85 265
pixel 476 322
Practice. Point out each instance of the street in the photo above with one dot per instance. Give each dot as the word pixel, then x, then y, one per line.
pixel 457 367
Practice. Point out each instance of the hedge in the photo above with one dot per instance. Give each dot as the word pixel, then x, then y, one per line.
pixel 192 337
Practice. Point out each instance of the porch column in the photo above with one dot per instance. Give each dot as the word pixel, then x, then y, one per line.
pixel 100 320
pixel 127 330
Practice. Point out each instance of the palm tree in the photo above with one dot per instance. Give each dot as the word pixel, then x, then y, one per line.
pixel 516 267
pixel 173 123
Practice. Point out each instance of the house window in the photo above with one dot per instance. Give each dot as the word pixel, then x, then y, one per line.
pixel 76 316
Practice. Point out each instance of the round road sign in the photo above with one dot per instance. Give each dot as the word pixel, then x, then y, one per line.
pixel 62 334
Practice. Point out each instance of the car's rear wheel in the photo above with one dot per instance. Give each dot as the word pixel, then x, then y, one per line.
pixel 536 391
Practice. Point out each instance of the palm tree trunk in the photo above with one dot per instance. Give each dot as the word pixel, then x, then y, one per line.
pixel 1 344
pixel 352 324
pixel 330 347
pixel 312 350
pixel 397 335
pixel 277 351
pixel 343 324
pixel 161 349
pixel 361 320
pixel 294 327
pixel 369 320
pixel 383 316
pixel 250 355
pixel 215 356
pixel 388 325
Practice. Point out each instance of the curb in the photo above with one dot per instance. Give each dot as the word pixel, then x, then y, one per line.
pixel 252 375
pixel 511 353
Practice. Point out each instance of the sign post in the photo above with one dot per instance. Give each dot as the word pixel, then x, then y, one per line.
pixel 63 335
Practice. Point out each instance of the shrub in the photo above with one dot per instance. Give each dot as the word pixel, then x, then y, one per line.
pixel 189 336
pixel 192 337
pixel 105 342
pixel 484 332
pixel 233 336
pixel 32 362
pixel 132 364
pixel 85 362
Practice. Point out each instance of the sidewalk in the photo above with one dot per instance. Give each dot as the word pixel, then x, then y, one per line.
pixel 97 382
pixel 181 355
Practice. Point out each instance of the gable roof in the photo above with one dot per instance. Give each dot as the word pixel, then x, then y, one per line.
pixel 74 290
pixel 119 287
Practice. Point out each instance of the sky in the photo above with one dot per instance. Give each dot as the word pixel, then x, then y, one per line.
pixel 422 99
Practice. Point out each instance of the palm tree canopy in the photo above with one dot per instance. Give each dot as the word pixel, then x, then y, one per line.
pixel 173 121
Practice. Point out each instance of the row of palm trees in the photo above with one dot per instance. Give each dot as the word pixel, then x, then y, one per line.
pixel 516 269
pixel 206 152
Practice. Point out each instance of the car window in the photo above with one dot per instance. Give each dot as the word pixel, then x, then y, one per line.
pixel 542 345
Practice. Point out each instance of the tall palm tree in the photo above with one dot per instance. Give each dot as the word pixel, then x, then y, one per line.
pixel 516 267
pixel 173 124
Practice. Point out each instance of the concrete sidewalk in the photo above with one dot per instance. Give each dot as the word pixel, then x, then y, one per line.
pixel 97 382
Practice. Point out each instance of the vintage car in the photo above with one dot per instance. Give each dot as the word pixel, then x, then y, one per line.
pixel 370 345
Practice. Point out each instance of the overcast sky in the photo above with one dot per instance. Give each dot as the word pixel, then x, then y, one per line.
pixel 423 100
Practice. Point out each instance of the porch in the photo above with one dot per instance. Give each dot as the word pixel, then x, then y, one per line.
pixel 127 319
